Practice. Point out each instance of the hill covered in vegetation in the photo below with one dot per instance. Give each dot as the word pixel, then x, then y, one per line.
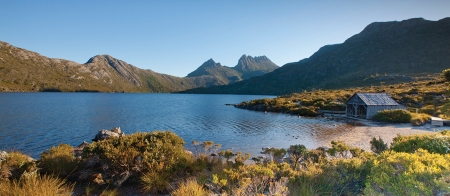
pixel 383 53
pixel 430 97
pixel 23 70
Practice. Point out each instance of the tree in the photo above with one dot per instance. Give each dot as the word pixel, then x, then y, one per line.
pixel 297 153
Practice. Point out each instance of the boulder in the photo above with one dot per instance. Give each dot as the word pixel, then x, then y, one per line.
pixel 3 156
pixel 105 134
pixel 77 151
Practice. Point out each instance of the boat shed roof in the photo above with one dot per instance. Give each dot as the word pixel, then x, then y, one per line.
pixel 374 99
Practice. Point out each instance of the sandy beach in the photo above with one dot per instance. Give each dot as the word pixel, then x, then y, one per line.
pixel 360 136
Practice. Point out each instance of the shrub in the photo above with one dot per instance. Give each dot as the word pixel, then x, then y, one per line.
pixel 157 154
pixel 249 179
pixel 418 173
pixel 378 145
pixel 317 155
pixel 240 158
pixel 433 143
pixel 275 154
pixel 297 153
pixel 15 164
pixel 190 187
pixel 393 116
pixel 418 119
pixel 333 177
pixel 227 154
pixel 58 160
pixel 446 74
pixel 337 106
pixel 33 184
pixel 338 147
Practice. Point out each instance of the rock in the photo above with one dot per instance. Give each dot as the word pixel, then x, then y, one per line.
pixel 3 155
pixel 77 151
pixel 189 153
pixel 105 134
pixel 116 130
pixel 121 178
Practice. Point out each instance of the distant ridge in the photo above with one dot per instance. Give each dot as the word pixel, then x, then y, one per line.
pixel 23 70
pixel 246 68
pixel 383 52
pixel 257 66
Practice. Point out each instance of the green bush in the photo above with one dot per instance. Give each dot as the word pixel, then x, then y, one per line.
pixel 333 177
pixel 297 153
pixel 378 145
pixel 393 116
pixel 158 155
pixel 418 173
pixel 248 179
pixel 338 147
pixel 433 143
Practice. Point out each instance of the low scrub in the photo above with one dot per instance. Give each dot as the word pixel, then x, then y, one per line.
pixel 393 116
pixel 400 173
pixel 414 165
pixel 433 143
pixel 418 119
pixel 333 177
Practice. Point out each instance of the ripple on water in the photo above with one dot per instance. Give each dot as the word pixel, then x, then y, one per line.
pixel 33 122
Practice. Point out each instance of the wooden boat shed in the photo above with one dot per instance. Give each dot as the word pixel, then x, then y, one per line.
pixel 366 105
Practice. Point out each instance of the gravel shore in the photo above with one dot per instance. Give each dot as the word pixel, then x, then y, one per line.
pixel 360 136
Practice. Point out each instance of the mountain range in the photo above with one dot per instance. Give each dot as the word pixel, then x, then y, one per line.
pixel 23 70
pixel 382 53
pixel 246 68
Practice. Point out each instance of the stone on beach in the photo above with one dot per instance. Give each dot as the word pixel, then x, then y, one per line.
pixel 105 134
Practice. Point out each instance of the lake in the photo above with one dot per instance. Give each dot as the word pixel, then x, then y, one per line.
pixel 33 122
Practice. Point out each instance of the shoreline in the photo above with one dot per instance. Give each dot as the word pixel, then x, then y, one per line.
pixel 361 134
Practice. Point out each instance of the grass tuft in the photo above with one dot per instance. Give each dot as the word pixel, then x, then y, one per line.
pixel 190 187
pixel 36 185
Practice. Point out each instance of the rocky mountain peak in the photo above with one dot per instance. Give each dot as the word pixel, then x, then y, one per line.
pixel 249 63
pixel 124 69
pixel 203 69
pixel 210 63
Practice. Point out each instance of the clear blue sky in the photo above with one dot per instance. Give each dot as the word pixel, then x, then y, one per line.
pixel 176 37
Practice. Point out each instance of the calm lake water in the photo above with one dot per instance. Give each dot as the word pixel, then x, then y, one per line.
pixel 33 122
